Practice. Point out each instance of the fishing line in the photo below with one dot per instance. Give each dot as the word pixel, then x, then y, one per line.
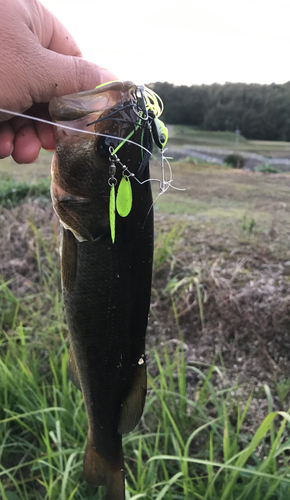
pixel 42 120
pixel 152 107
pixel 163 185
pixel 150 99
pixel 147 106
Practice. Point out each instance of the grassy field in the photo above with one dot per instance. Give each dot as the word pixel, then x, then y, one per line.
pixel 216 422
pixel 26 173
pixel 180 135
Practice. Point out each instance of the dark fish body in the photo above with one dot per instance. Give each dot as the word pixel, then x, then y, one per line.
pixel 106 285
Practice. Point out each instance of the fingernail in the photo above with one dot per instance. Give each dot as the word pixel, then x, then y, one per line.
pixel 6 149
pixel 107 76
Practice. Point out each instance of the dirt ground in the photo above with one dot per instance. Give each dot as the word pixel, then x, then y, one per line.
pixel 222 263
pixel 245 295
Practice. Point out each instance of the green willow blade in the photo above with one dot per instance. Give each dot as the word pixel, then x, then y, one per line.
pixel 124 197
pixel 112 212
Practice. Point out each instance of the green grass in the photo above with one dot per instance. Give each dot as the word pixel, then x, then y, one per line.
pixel 13 192
pixel 194 441
pixel 182 134
pixel 198 437
pixel 267 169
pixel 215 193
pixel 27 173
pixel 192 135
pixel 178 451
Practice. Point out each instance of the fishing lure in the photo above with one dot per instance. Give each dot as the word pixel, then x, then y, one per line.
pixel 148 106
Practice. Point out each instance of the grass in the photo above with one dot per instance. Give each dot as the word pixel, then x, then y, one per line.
pixel 178 451
pixel 194 440
pixel 191 135
pixel 27 173
pixel 199 436
pixel 210 187
pixel 267 169
pixel 181 134
pixel 13 192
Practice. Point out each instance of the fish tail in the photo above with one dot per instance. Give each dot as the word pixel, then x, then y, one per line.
pixel 115 486
pixel 99 472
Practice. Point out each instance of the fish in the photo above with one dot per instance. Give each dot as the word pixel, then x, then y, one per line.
pixel 106 279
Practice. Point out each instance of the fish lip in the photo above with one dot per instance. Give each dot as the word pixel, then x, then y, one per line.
pixel 73 106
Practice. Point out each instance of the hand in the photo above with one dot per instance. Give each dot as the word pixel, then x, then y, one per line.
pixel 38 60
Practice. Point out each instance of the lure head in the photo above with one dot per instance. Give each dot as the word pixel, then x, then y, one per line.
pixel 160 133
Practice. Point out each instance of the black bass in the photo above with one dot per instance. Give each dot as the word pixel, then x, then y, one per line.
pixel 106 280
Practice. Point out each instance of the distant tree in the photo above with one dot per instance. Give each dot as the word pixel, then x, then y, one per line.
pixel 182 105
pixel 259 111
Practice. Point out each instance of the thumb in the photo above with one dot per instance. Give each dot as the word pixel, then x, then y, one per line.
pixel 57 74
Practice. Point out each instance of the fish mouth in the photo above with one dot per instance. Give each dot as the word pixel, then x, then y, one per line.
pixel 91 124
pixel 78 105
pixel 106 112
pixel 58 194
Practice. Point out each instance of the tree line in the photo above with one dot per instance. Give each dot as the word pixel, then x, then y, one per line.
pixel 258 111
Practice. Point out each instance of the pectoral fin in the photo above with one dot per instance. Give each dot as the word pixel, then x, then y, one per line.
pixel 133 404
pixel 68 259
pixel 73 369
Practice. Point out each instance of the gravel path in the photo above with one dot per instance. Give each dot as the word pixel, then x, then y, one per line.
pixel 216 155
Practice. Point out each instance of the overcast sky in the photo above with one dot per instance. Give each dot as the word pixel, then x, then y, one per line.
pixel 184 41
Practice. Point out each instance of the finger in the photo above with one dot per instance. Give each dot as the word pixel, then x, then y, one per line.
pixel 62 41
pixel 76 74
pixel 62 75
pixel 44 131
pixel 6 139
pixel 26 144
pixel 45 134
pixel 54 36
pixel 18 122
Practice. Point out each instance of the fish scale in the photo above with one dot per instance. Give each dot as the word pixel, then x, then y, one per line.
pixel 106 285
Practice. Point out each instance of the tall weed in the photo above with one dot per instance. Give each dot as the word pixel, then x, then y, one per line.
pixel 195 440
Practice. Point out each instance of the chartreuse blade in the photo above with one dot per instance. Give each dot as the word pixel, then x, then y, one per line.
pixel 112 212
pixel 124 197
